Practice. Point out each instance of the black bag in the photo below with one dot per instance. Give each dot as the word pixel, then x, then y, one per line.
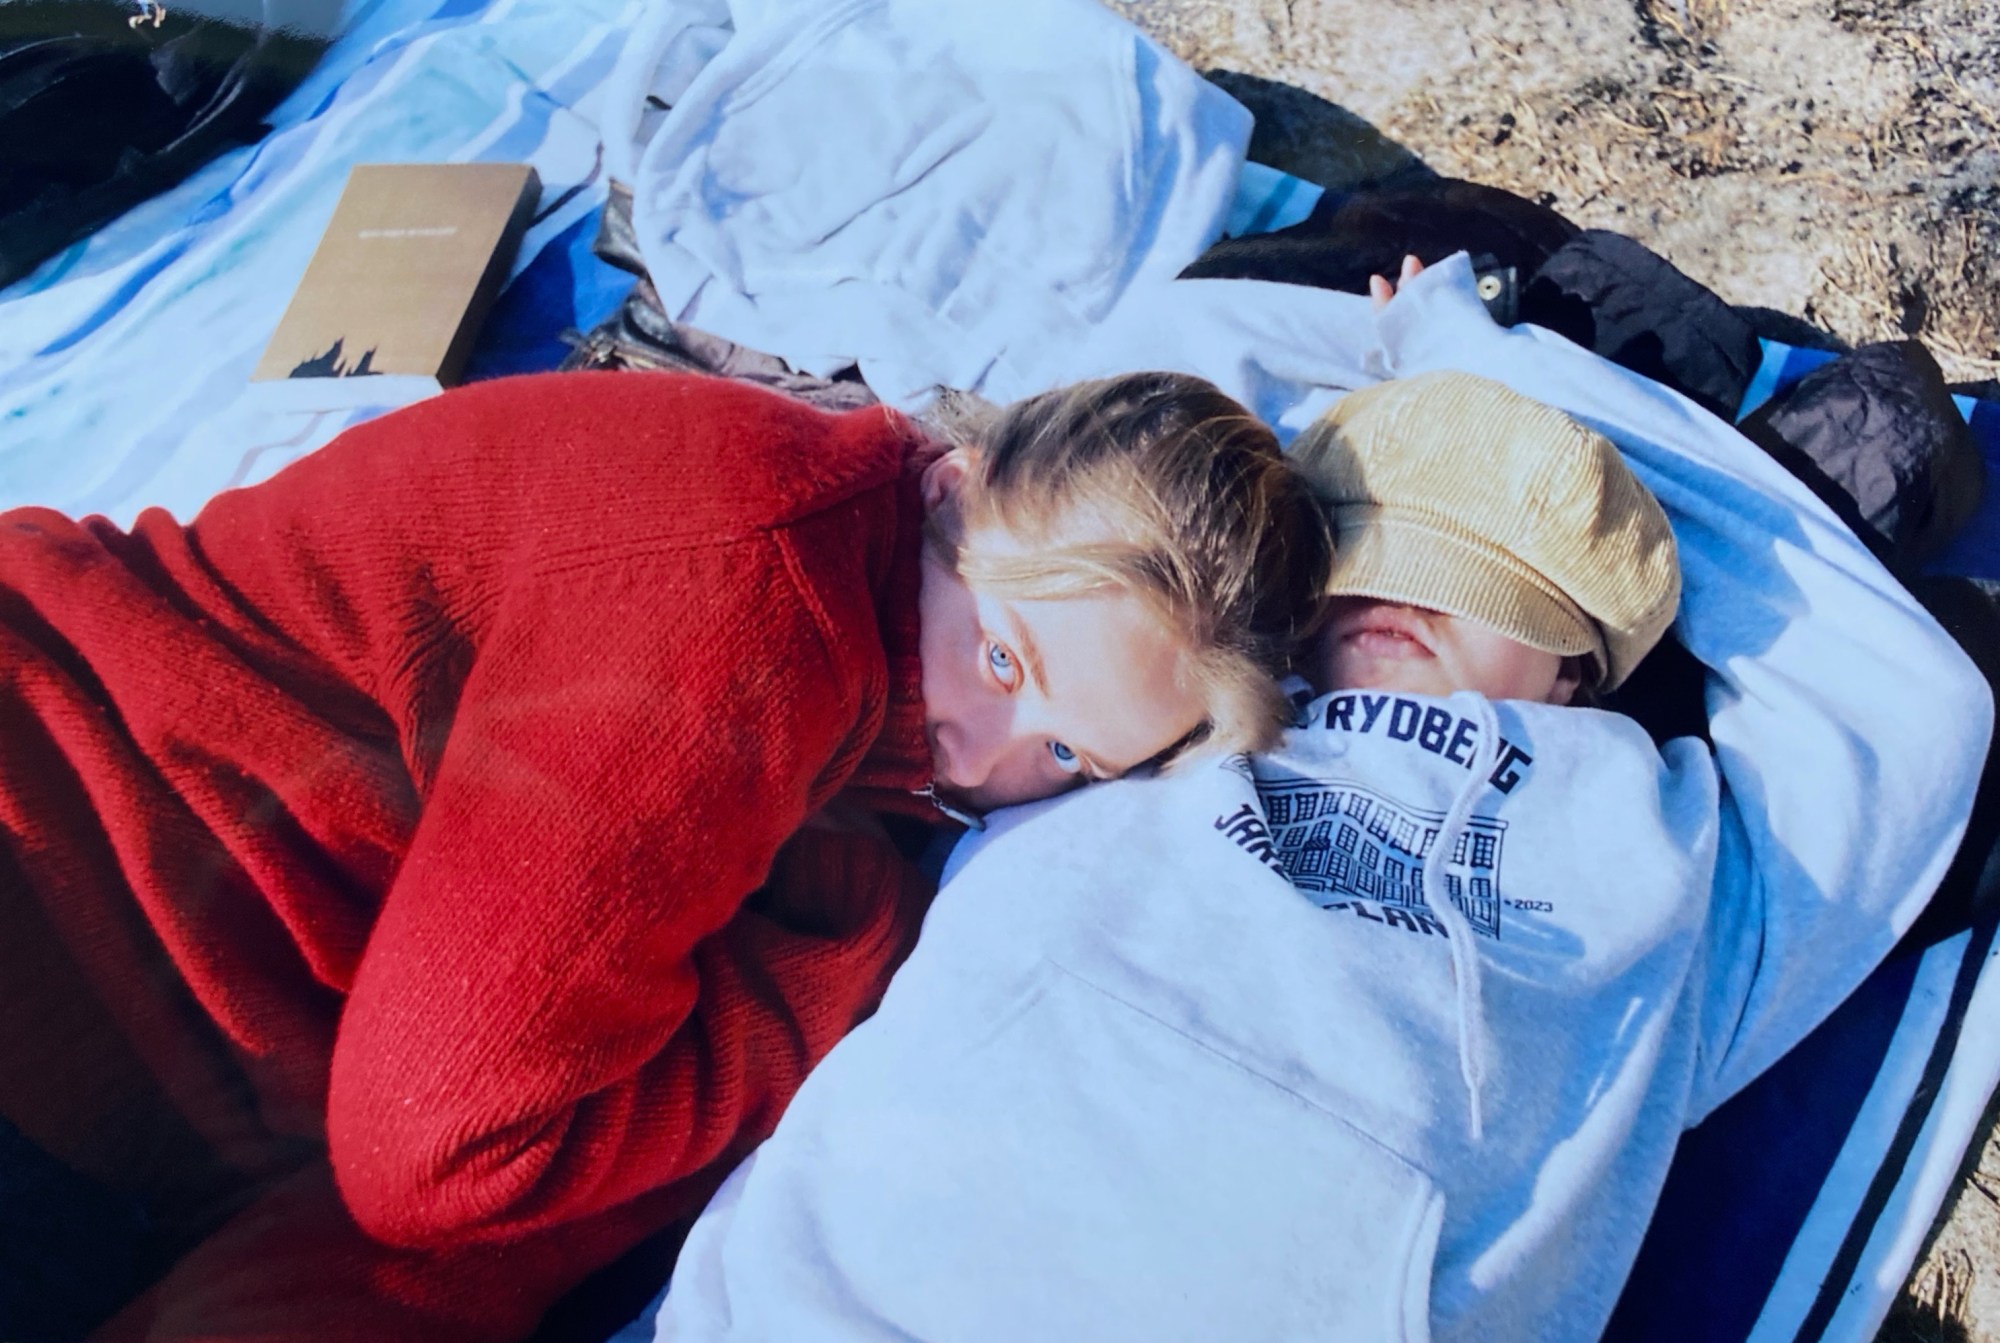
pixel 105 103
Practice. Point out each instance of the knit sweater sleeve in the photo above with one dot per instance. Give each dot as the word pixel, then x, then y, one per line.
pixel 569 995
pixel 519 1047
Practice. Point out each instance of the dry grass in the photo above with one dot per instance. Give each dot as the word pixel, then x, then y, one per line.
pixel 1613 143
pixel 1840 161
pixel 1933 1308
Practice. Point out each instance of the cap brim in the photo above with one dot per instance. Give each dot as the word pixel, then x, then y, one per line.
pixel 1400 558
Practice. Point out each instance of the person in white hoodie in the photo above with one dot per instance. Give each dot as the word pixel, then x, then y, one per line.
pixel 1390 1034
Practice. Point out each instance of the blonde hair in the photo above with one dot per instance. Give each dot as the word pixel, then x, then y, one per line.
pixel 1160 485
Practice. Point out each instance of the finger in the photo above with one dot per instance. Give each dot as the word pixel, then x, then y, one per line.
pixel 1411 267
pixel 1380 290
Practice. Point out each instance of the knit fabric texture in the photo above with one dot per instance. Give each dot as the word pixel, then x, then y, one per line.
pixel 1457 494
pixel 438 804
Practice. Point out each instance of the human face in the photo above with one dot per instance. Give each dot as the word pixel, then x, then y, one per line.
pixel 1368 644
pixel 1025 699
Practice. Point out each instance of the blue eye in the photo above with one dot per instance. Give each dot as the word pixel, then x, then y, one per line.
pixel 1002 664
pixel 1066 759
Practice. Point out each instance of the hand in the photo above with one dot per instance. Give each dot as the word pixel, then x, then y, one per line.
pixel 1382 291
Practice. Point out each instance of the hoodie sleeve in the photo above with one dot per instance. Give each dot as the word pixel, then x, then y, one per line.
pixel 1849 729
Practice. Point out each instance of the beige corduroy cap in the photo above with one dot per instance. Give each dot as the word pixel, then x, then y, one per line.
pixel 1455 493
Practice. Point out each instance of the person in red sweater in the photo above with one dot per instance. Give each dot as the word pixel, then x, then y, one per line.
pixel 423 875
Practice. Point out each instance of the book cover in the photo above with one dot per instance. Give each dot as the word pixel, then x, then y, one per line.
pixel 413 257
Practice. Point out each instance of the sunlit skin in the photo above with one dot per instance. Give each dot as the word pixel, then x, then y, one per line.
pixel 1367 644
pixel 1026 699
pixel 1382 289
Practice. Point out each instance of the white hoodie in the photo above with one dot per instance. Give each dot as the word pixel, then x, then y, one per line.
pixel 1218 1057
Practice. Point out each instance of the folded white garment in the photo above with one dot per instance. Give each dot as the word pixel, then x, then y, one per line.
pixel 943 194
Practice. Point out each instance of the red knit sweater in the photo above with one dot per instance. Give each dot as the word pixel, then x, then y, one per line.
pixel 441 770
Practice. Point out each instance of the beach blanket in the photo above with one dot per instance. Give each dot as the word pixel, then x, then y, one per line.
pixel 125 360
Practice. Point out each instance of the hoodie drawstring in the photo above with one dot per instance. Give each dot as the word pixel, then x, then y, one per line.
pixel 1458 928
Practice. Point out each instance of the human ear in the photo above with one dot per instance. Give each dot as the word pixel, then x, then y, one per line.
pixel 943 477
pixel 1569 680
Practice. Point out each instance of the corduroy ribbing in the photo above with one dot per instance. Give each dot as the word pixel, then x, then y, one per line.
pixel 1429 561
pixel 1455 493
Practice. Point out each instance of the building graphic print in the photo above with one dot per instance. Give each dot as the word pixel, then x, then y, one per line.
pixel 1342 842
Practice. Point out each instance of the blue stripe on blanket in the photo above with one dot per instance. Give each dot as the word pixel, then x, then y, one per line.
pixel 123 294
pixel 1778 372
pixel 566 288
pixel 1777 1220
pixel 1268 200
pixel 1903 1143
pixel 1744 1181
pixel 1975 551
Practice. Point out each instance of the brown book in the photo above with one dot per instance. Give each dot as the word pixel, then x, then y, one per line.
pixel 409 264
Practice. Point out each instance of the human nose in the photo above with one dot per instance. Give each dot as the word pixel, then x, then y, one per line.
pixel 976 745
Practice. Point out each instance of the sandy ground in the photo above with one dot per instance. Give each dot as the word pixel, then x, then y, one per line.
pixel 1834 159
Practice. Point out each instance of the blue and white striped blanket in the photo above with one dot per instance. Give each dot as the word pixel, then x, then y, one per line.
pixel 125 361
pixel 1796 1212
